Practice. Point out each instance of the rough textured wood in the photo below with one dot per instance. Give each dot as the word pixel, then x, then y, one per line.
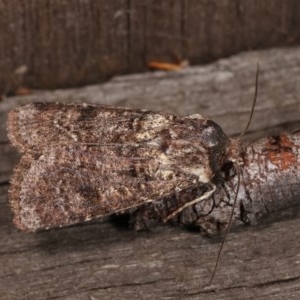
pixel 70 43
pixel 62 43
pixel 101 261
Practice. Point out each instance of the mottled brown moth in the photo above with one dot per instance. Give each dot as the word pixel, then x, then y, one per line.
pixel 83 161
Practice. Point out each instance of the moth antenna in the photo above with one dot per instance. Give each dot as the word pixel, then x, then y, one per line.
pixel 228 227
pixel 254 102
pixel 239 180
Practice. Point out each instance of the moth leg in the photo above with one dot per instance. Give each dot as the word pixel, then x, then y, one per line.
pixel 206 195
pixel 161 210
pixel 144 218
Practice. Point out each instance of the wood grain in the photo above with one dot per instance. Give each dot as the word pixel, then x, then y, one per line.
pixel 70 43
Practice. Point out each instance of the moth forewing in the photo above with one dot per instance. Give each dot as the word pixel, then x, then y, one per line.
pixel 84 162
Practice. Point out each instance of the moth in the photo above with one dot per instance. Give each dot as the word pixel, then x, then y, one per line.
pixel 81 162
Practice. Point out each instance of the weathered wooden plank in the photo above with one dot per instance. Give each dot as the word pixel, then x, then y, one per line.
pixel 62 43
pixel 227 27
pixel 155 32
pixel 9 158
pixel 71 43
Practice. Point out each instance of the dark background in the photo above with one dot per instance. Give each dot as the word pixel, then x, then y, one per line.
pixel 77 42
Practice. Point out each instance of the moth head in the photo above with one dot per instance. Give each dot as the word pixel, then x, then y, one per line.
pixel 234 152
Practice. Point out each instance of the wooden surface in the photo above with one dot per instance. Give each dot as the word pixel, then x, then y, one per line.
pixel 74 42
pixel 100 260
